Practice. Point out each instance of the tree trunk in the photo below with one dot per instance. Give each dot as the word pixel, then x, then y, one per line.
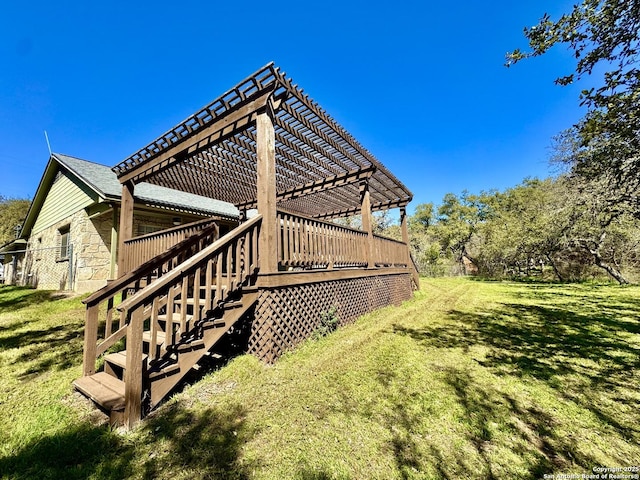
pixel 600 262
pixel 555 268
pixel 614 272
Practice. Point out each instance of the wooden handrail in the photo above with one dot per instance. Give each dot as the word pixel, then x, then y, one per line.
pixel 320 221
pixel 311 243
pixel 114 327
pixel 163 282
pixel 185 226
pixel 146 247
pixel 389 239
pixel 141 271
pixel 220 271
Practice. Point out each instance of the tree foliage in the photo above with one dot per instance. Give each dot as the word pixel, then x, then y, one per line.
pixel 599 33
pixel 558 228
pixel 12 213
pixel 604 36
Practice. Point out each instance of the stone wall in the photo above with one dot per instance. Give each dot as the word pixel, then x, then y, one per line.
pixel 92 251
pixel 44 267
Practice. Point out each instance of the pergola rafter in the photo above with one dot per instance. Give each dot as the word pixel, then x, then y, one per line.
pixel 213 153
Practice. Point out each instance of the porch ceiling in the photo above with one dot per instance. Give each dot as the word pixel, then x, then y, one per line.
pixel 319 165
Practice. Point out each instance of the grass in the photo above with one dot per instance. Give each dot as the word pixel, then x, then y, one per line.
pixel 469 379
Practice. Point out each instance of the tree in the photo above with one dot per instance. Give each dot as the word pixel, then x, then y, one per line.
pixel 597 31
pixel 423 241
pixel 457 221
pixel 601 33
pixel 565 226
pixel 12 214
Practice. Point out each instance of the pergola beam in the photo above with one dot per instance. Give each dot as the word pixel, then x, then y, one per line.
pixel 376 207
pixel 310 188
pixel 322 135
pixel 225 126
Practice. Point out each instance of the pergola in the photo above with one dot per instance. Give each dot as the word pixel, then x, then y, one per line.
pixel 265 144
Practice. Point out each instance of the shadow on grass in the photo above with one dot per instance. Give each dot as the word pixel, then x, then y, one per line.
pixel 531 430
pixel 579 346
pixel 206 442
pixel 14 298
pixel 73 454
pixel 55 348
pixel 402 423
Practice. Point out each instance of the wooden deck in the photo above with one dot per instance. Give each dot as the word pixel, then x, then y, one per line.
pixel 264 145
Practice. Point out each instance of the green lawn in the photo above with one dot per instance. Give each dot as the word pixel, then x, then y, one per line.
pixel 469 379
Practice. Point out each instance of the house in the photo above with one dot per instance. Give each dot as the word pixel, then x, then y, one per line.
pixel 262 145
pixel 68 237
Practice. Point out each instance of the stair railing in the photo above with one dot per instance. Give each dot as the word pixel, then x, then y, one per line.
pixel 103 325
pixel 218 270
pixel 138 250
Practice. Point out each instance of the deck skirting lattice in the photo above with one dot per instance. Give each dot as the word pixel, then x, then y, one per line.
pixel 287 315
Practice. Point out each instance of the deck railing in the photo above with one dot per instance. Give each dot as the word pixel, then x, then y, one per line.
pixel 103 325
pixel 388 252
pixel 140 249
pixel 310 243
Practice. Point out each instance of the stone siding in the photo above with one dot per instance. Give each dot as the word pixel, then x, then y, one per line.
pixel 91 254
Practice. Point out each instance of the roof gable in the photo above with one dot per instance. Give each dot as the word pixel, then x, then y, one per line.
pixel 101 184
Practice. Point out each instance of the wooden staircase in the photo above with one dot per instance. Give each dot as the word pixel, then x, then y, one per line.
pixel 168 321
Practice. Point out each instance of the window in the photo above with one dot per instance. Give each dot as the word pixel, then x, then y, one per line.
pixel 146 229
pixel 63 253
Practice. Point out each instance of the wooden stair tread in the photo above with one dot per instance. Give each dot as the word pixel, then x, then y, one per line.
pixel 146 337
pixel 191 355
pixel 175 317
pixel 214 323
pixel 104 389
pixel 120 358
pixel 191 345
pixel 189 301
pixel 165 371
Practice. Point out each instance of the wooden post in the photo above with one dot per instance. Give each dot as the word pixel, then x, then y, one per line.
pixel 367 223
pixel 126 224
pixel 113 261
pixel 133 369
pixel 90 341
pixel 267 244
pixel 405 232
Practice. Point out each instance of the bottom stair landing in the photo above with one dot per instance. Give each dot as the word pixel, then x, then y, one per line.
pixel 107 388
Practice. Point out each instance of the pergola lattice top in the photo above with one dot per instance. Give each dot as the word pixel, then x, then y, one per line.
pixel 319 165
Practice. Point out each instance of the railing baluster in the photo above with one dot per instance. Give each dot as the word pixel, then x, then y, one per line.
pixel 196 296
pixel 153 345
pixel 237 275
pixel 168 328
pixel 109 318
pixel 219 261
pixel 209 284
pixel 183 305
pixel 229 267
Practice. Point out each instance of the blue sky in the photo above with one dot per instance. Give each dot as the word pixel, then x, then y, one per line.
pixel 420 84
